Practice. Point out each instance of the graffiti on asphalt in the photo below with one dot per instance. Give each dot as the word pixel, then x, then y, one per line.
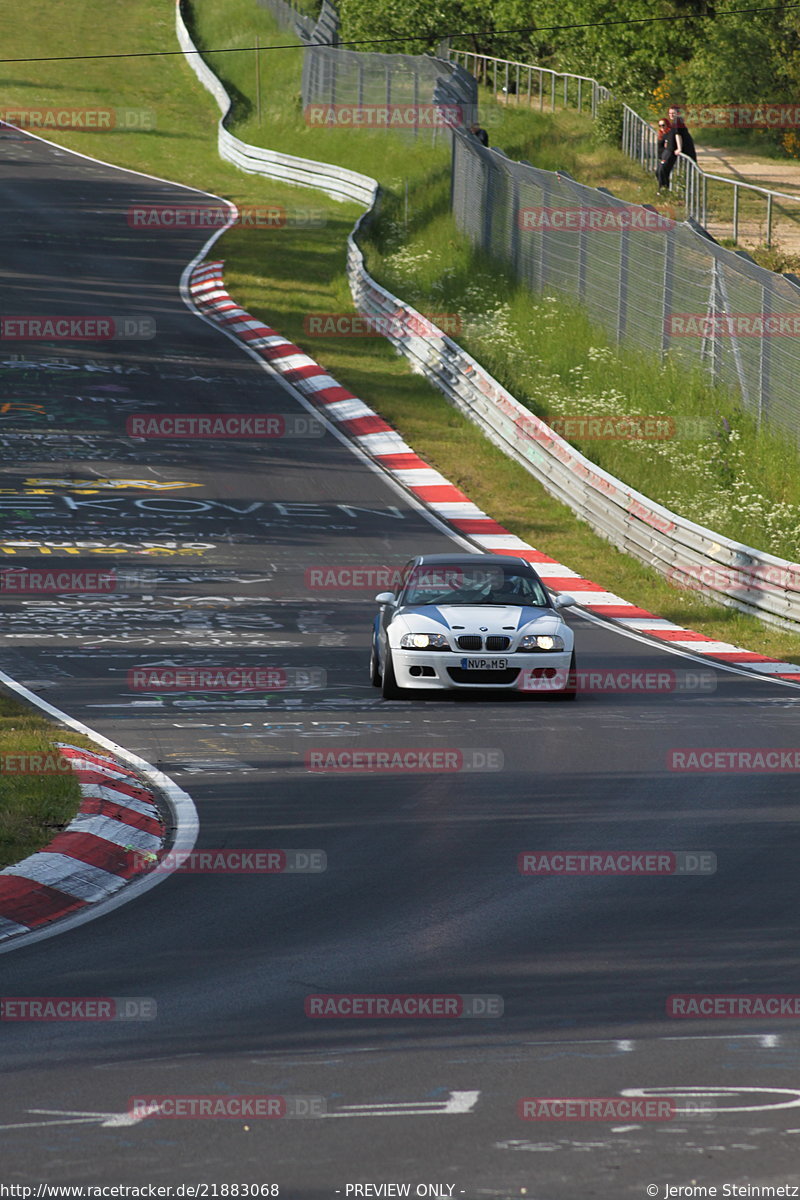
pixel 34 486
pixel 153 549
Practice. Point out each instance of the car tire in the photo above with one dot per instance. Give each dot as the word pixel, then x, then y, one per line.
pixel 374 666
pixel 389 683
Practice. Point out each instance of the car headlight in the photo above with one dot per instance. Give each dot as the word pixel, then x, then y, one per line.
pixel 424 641
pixel 541 641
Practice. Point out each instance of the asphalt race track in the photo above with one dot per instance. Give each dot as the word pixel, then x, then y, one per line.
pixel 422 893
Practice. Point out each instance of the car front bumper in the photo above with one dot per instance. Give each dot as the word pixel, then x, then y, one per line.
pixel 537 672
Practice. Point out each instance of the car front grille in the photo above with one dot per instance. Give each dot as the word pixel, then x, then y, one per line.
pixel 486 678
pixel 498 643
pixel 470 641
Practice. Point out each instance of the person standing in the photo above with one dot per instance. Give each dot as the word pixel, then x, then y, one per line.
pixel 479 133
pixel 662 178
pixel 679 140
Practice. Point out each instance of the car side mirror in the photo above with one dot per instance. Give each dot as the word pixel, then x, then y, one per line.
pixel 563 600
pixel 385 598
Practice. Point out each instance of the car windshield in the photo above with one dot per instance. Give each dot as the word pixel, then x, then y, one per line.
pixel 463 583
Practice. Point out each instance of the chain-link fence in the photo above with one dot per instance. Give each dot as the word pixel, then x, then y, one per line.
pixel 654 284
pixel 415 94
pixel 418 94
pixel 727 208
pixel 290 17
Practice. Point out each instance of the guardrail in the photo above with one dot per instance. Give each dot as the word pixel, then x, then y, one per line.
pixel 335 181
pixel 517 80
pixel 639 139
pixel 728 571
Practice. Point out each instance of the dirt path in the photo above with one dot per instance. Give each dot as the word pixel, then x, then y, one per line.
pixel 781 175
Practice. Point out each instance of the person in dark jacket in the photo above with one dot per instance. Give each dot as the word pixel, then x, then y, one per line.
pixel 679 140
pixel 662 178
pixel 479 133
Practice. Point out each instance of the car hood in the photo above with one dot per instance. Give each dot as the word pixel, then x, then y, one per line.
pixel 475 618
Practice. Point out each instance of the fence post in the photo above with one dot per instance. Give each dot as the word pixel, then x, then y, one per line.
pixel 553 92
pixel 669 284
pixel 736 212
pixel 622 294
pixel 530 83
pixel 541 265
pixel 765 355
pixel 769 220
pixel 541 90
pixel 486 224
pixel 580 98
pixel 416 104
pixel 258 78
pixel 514 240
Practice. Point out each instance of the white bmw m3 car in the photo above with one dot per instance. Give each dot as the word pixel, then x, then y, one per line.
pixel 464 622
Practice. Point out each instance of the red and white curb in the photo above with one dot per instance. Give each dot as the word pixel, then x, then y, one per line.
pixel 117 832
pixel 373 435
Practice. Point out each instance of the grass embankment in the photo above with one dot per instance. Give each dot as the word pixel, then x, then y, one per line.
pixel 284 274
pixel 33 807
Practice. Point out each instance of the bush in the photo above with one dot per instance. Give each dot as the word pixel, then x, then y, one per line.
pixel 608 126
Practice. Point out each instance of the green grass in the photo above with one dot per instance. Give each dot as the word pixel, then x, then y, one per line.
pixel 33 808
pixel 281 275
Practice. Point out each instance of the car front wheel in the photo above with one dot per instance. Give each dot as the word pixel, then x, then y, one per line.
pixel 374 666
pixel 389 683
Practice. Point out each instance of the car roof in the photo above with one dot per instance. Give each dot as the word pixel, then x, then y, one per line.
pixel 499 560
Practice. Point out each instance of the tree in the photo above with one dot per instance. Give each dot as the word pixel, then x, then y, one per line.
pixel 744 58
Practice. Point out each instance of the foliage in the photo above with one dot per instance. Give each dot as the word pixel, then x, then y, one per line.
pixel 608 126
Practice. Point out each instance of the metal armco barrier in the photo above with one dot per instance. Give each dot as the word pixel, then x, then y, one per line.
pixel 725 570
pixel 305 172
pixel 730 572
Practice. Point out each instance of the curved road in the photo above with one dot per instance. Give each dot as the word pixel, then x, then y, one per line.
pixel 422 892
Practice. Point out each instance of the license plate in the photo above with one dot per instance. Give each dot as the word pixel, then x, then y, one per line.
pixel 484 664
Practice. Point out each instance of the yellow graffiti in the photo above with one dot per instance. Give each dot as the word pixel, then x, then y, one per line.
pixel 9 406
pixel 197 552
pixel 93 485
